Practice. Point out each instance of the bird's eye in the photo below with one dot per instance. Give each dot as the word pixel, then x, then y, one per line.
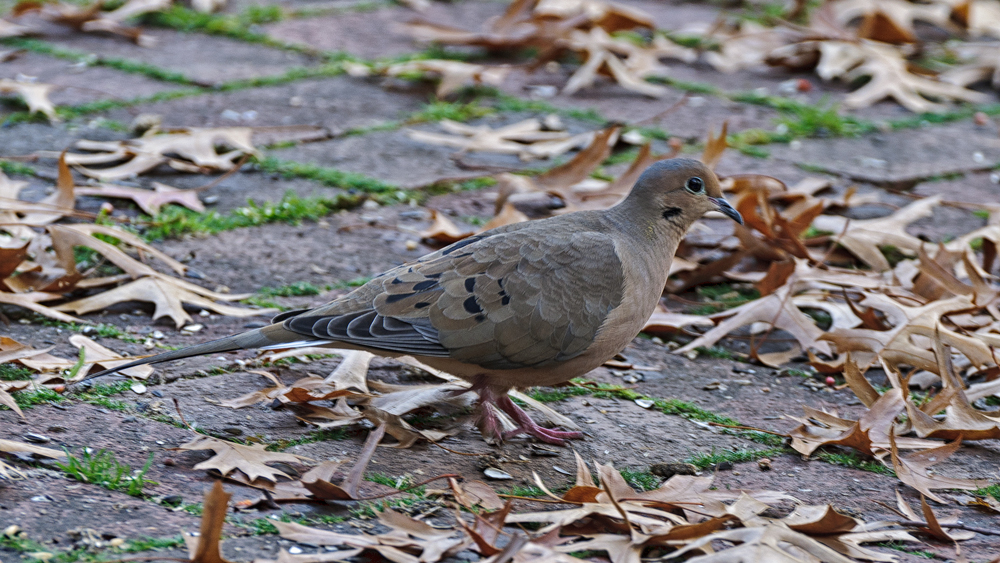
pixel 695 185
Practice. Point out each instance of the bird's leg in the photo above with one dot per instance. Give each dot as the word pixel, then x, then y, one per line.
pixel 492 396
pixel 525 425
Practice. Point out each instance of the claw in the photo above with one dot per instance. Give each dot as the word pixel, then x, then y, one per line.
pixel 490 426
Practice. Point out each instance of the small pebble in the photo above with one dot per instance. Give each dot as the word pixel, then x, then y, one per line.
pixel 157 393
pixel 764 464
pixel 169 462
pixel 117 542
pixel 668 470
pixel 980 118
pixel 129 419
pixel 36 438
pixel 724 466
pixel 494 473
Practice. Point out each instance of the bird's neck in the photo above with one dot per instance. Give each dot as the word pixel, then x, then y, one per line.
pixel 655 240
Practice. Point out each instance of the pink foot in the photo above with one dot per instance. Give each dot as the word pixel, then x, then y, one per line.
pixel 490 426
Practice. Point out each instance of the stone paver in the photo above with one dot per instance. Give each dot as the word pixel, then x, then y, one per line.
pixel 206 59
pixel 374 34
pixel 339 103
pixel 899 158
pixel 78 84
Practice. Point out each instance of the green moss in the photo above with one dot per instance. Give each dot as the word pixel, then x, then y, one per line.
pixel 11 372
pixel 703 461
pixel 853 460
pixel 723 296
pixel 124 65
pixel 553 394
pixel 174 221
pixel 334 178
pixel 312 437
pixel 640 480
pixel 349 284
pixel 42 395
pixel 18 168
pixel 296 289
pixel 992 490
pixel 523 491
pixel 101 468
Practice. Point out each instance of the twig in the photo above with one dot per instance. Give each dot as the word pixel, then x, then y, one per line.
pixel 236 167
pixel 751 428
pixel 673 107
pixel 532 499
pixel 177 406
pixel 919 524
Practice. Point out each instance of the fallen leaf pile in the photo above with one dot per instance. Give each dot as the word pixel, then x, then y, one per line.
pixel 94 19
pixel 190 149
pixel 39 270
pixel 684 517
pixel 844 39
pixel 55 372
pixel 583 27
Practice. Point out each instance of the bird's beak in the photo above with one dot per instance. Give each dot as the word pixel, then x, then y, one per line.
pixel 727 209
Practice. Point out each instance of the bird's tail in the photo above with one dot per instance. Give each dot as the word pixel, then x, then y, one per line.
pixel 269 335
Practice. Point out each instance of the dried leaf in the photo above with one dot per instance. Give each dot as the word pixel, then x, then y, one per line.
pixel 34 94
pixel 454 75
pixel 205 547
pixel 777 310
pixel 526 139
pixel 195 147
pixel 148 201
pixel 230 456
pixel 912 470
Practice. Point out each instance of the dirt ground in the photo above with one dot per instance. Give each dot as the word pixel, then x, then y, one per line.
pixel 60 513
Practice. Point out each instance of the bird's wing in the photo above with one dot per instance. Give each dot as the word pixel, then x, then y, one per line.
pixel 506 300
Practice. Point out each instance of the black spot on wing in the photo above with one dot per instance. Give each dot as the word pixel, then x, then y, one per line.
pixel 426 284
pixel 470 284
pixel 471 306
pixel 422 304
pixel 397 297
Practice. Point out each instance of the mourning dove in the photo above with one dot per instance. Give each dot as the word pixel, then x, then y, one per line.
pixel 533 303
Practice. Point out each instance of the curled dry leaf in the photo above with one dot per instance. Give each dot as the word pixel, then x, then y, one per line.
pixel 443 230
pixel 912 470
pixel 526 139
pixel 453 75
pixel 407 539
pixel 93 19
pixel 205 547
pixel 195 147
pixel 889 21
pixel 34 94
pixel 230 456
pixel 148 201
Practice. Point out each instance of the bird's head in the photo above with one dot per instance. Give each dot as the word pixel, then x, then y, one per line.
pixel 678 192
